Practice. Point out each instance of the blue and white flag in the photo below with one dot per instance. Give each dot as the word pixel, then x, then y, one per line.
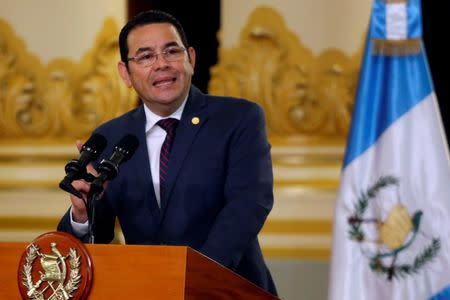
pixel 391 237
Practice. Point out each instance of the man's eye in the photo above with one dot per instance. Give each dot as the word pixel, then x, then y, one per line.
pixel 148 56
pixel 172 51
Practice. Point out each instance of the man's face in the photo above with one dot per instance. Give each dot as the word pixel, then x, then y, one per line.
pixel 163 85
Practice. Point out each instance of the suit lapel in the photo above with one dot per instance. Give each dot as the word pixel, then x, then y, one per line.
pixel 185 135
pixel 141 161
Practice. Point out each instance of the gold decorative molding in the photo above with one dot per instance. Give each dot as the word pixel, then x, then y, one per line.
pixel 307 99
pixel 62 100
pixel 312 253
pixel 295 226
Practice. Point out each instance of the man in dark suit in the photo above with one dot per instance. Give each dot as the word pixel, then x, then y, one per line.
pixel 216 189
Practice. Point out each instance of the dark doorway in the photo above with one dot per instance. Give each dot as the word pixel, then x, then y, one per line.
pixel 435 21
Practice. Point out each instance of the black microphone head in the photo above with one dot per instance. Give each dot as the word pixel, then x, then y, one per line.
pixel 76 168
pixel 95 145
pixel 109 168
pixel 127 146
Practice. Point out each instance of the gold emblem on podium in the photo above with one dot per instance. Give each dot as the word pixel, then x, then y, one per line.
pixel 54 275
pixel 52 269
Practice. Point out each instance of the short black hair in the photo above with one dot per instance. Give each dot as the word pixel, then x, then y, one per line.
pixel 144 18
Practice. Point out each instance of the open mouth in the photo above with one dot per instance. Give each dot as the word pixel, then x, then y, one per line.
pixel 164 82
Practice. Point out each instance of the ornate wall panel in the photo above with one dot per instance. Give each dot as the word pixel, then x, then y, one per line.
pixel 44 108
pixel 307 99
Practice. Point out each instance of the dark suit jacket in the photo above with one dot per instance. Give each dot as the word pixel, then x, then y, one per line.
pixel 219 185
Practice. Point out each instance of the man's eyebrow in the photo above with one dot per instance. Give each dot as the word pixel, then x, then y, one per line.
pixel 145 49
pixel 170 44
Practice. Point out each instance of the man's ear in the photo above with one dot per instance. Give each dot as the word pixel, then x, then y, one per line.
pixel 192 56
pixel 123 72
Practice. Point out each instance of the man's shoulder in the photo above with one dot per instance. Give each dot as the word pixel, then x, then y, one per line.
pixel 119 123
pixel 231 104
pixel 221 102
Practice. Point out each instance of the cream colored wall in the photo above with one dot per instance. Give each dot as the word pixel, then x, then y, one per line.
pixel 320 24
pixel 60 28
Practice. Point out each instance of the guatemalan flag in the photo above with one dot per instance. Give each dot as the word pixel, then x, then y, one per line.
pixel 391 237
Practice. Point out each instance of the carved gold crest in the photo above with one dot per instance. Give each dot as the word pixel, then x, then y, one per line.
pixel 54 275
pixel 54 266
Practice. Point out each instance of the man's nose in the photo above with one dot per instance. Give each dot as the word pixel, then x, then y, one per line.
pixel 160 61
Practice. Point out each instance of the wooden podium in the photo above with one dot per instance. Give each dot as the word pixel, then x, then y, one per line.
pixel 143 272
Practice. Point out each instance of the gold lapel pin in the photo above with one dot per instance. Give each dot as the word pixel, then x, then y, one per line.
pixel 195 120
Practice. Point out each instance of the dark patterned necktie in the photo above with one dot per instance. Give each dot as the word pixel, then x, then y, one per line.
pixel 169 125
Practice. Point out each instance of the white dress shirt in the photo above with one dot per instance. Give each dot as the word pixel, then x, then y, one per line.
pixel 155 136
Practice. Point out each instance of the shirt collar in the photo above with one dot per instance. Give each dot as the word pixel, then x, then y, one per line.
pixel 152 118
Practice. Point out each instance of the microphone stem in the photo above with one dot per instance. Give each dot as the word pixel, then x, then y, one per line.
pixel 91 224
pixel 95 191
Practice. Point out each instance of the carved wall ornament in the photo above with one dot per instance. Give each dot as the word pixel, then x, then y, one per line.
pixel 305 97
pixel 63 99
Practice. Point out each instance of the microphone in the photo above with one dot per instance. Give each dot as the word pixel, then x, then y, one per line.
pixel 109 168
pixel 76 168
